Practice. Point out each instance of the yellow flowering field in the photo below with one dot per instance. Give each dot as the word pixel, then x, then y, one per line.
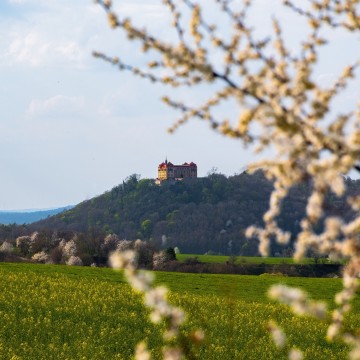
pixel 59 312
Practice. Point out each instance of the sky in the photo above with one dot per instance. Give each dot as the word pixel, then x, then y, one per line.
pixel 73 127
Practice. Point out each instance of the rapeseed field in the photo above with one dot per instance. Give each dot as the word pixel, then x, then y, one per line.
pixel 59 312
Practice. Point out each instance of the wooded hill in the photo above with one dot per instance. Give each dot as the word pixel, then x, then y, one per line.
pixel 196 215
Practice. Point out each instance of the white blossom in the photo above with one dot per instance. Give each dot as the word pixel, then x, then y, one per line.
pixel 74 261
pixel 6 247
pixel 41 257
pixel 277 334
pixel 295 354
pixel 69 248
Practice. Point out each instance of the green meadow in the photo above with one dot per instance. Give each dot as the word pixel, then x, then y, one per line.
pixel 59 312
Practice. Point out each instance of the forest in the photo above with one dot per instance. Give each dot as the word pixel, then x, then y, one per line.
pixel 203 215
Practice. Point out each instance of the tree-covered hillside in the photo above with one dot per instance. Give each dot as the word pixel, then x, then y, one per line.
pixel 199 215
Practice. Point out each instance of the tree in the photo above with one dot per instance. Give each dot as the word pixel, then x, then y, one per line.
pixel 170 254
pixel 281 106
pixel 146 228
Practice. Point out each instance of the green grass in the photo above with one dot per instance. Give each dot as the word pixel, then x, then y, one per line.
pixel 59 312
pixel 243 259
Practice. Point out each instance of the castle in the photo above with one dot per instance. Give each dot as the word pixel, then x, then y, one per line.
pixel 168 171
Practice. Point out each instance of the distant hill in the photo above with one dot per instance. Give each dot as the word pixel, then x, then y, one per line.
pixel 27 217
pixel 196 215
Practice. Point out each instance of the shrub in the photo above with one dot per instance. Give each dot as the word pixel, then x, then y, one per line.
pixel 6 247
pixel 74 261
pixel 170 254
pixel 70 249
pixel 41 257
pixel 110 243
pixel 23 243
pixel 56 255
pixel 192 260
pixel 159 260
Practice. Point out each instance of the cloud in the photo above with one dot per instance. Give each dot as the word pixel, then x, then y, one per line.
pixel 39 33
pixel 119 102
pixel 52 33
pixel 30 49
pixel 70 50
pixel 34 50
pixel 56 105
pixel 31 2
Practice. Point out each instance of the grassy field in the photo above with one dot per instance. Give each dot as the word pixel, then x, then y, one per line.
pixel 242 259
pixel 58 312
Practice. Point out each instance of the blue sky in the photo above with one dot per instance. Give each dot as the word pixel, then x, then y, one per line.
pixel 72 127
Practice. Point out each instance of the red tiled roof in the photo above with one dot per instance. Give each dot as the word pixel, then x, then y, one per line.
pixel 169 164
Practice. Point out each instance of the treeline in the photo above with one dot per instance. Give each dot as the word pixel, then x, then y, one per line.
pixel 201 215
pixel 81 249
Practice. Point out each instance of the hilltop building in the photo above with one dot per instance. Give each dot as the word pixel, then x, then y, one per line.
pixel 167 171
